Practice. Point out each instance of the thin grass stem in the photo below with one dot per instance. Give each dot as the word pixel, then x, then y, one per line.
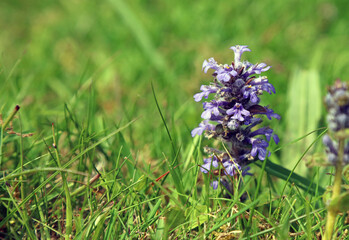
pixel 68 210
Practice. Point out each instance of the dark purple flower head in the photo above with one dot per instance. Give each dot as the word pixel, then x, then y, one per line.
pixel 232 113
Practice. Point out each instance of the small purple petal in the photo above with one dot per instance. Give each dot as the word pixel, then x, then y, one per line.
pixel 276 138
pixel 197 131
pixel 210 64
pixel 214 184
pixel 204 125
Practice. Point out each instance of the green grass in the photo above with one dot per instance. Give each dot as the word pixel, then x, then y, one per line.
pixel 116 78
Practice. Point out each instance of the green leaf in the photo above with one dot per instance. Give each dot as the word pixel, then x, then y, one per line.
pixel 303 113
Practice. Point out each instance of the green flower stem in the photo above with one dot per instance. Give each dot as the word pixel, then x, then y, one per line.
pixel 332 212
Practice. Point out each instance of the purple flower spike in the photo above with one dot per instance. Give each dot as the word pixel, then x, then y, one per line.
pixel 233 112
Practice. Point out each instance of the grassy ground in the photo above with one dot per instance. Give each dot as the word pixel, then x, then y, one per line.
pixel 89 68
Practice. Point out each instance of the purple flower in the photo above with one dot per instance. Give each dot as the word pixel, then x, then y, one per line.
pixel 250 92
pixel 206 90
pixel 211 108
pixel 208 162
pixel 270 113
pixel 267 132
pixel 225 73
pixel 238 112
pixel 259 146
pixel 262 84
pixel 239 50
pixel 232 113
pixel 231 167
pixel 337 101
pixel 210 64
pixel 204 125
pixel 214 184
pixel 258 69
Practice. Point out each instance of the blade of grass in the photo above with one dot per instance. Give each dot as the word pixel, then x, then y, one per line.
pixel 43 222
pixel 68 210
pixel 3 128
pixel 111 225
pixel 163 119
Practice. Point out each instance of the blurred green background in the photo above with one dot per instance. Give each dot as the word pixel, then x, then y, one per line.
pixel 100 57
